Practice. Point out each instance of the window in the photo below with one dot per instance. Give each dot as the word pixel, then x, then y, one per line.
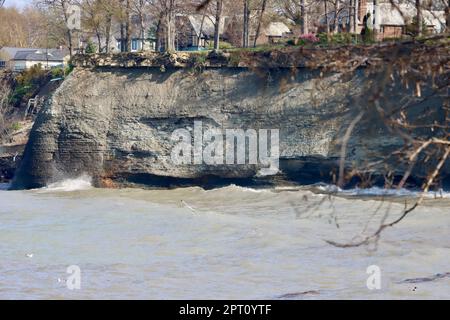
pixel 134 45
pixel 2 64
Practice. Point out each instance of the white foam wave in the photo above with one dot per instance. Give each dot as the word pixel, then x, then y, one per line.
pixel 236 188
pixel 83 182
pixel 377 192
pixel 4 186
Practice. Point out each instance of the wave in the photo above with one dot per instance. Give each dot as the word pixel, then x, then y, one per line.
pixel 4 186
pixel 83 182
pixel 236 188
pixel 377 192
pixel 323 188
pixel 332 189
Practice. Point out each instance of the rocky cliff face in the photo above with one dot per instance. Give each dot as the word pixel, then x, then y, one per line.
pixel 116 125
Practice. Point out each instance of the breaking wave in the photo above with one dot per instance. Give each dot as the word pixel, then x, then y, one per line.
pixel 235 188
pixel 83 182
pixel 380 192
pixel 4 186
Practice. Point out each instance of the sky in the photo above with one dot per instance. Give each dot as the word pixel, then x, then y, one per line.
pixel 17 3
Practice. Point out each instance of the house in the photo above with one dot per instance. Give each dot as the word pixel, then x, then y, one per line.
pixel 87 38
pixel 196 31
pixel 137 43
pixel 274 32
pixel 19 59
pixel 390 22
pixel 7 55
pixel 141 37
pixel 270 33
pixel 47 58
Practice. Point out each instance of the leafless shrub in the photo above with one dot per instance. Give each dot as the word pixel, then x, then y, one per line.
pixel 408 95
pixel 5 91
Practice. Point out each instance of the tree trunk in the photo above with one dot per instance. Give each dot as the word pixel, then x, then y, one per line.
pixel 199 37
pixel 127 28
pixel 217 25
pixel 170 39
pixel 258 29
pixel 99 40
pixel 122 37
pixel 69 31
pixel 336 17
pixel 169 46
pixel 304 24
pixel 70 45
pixel 245 37
pixel 351 15
pixel 447 16
pixel 108 32
pixel 375 17
pixel 158 36
pixel 327 21
pixel 141 18
pixel 418 18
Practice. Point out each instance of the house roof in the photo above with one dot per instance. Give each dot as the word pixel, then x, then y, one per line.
pixel 276 29
pixel 12 51
pixel 135 28
pixel 41 55
pixel 391 16
pixel 207 29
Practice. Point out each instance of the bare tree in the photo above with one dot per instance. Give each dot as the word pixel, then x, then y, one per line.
pixel 217 20
pixel 139 8
pixel 61 8
pixel 165 11
pixel 246 24
pixel 412 106
pixel 304 14
pixel 327 20
pixel 447 16
pixel 261 16
pixel 5 91
pixel 217 24
pixel 418 18
pixel 337 11
pixel 93 19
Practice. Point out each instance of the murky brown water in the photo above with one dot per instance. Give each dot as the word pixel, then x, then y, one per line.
pixel 230 243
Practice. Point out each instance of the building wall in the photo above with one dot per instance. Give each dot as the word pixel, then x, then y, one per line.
pixel 391 31
pixel 5 60
pixel 136 45
pixel 362 9
pixel 22 65
pixel 19 65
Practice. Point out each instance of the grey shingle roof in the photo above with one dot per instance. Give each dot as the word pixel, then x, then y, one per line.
pixel 41 55
pixel 11 51
pixel 208 26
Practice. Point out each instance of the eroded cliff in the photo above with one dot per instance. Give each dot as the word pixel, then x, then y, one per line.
pixel 116 125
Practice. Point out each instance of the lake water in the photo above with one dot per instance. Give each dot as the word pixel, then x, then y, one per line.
pixel 229 243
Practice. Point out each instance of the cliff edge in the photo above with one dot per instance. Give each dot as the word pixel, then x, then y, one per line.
pixel 117 124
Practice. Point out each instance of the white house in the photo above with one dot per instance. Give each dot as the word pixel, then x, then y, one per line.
pixel 19 59
pixel 7 55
